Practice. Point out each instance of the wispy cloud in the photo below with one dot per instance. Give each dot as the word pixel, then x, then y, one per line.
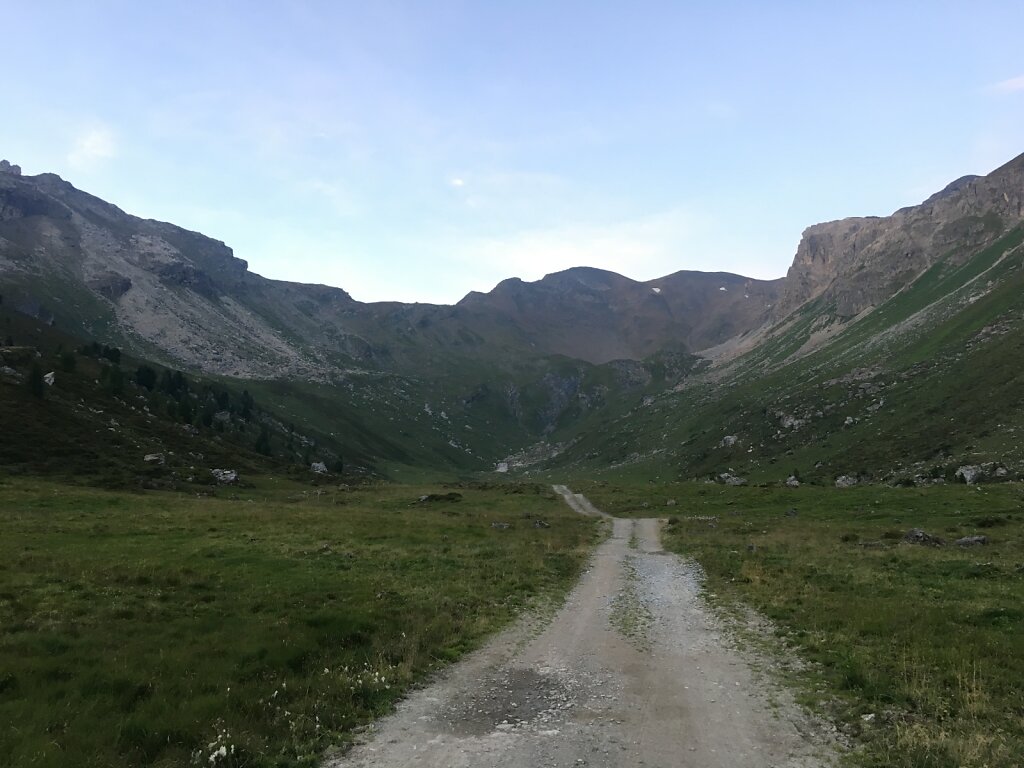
pixel 1013 85
pixel 92 147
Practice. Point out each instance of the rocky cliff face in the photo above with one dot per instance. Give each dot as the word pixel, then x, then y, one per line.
pixel 161 288
pixel 857 263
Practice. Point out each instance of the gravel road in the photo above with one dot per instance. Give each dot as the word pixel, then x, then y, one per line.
pixel 632 671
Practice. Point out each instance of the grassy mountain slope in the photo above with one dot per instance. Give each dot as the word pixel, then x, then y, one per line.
pixel 926 382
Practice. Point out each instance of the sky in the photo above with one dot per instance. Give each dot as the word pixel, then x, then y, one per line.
pixel 416 151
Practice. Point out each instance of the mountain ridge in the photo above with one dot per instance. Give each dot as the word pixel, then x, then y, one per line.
pixel 580 358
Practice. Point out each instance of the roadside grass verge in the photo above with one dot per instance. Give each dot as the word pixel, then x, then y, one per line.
pixel 918 650
pixel 255 629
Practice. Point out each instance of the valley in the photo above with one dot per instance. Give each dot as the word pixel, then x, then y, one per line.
pixel 241 519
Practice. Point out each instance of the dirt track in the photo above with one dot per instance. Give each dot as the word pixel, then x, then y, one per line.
pixel 632 671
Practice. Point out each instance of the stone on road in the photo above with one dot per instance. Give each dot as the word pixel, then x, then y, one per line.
pixel 632 671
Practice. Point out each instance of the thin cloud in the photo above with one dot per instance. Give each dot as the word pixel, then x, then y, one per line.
pixel 1013 85
pixel 457 182
pixel 91 148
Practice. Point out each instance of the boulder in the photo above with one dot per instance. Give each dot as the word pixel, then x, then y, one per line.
pixel 792 482
pixel 846 481
pixel 918 536
pixel 970 474
pixel 972 541
pixel 730 479
pixel 432 497
pixel 729 441
pixel 154 458
pixel 225 476
pixel 319 467
pixel 50 378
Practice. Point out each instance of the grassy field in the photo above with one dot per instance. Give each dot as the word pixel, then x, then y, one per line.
pixel 254 629
pixel 918 650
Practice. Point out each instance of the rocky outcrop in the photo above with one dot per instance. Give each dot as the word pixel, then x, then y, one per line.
pixel 858 263
pixel 110 285
pixel 7 167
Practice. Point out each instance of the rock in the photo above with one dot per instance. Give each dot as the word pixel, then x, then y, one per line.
pixel 850 421
pixel 319 467
pixel 788 421
pixel 791 513
pixel 670 503
pixel 50 378
pixel 970 474
pixel 729 441
pixel 110 285
pixel 918 536
pixel 225 476
pixel 792 482
pixel 432 497
pixel 6 167
pixel 502 467
pixel 501 526
pixel 8 371
pixel 1002 472
pixel 154 458
pixel 868 718
pixel 541 524
pixel 846 481
pixel 972 541
pixel 730 479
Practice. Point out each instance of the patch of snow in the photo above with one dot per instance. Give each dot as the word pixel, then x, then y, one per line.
pixel 723 288
pixel 656 290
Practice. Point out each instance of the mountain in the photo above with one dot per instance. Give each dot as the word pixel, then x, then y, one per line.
pixel 608 371
pixel 857 263
pixel 600 316
pixel 186 298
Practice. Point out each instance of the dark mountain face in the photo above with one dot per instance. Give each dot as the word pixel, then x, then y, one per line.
pixel 600 316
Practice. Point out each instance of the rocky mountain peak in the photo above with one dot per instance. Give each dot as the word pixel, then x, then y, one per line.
pixel 857 263
pixel 950 189
pixel 7 167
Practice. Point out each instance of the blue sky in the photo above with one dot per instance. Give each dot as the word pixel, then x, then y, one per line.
pixel 418 150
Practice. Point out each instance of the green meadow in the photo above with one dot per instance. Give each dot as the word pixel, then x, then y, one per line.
pixel 258 627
